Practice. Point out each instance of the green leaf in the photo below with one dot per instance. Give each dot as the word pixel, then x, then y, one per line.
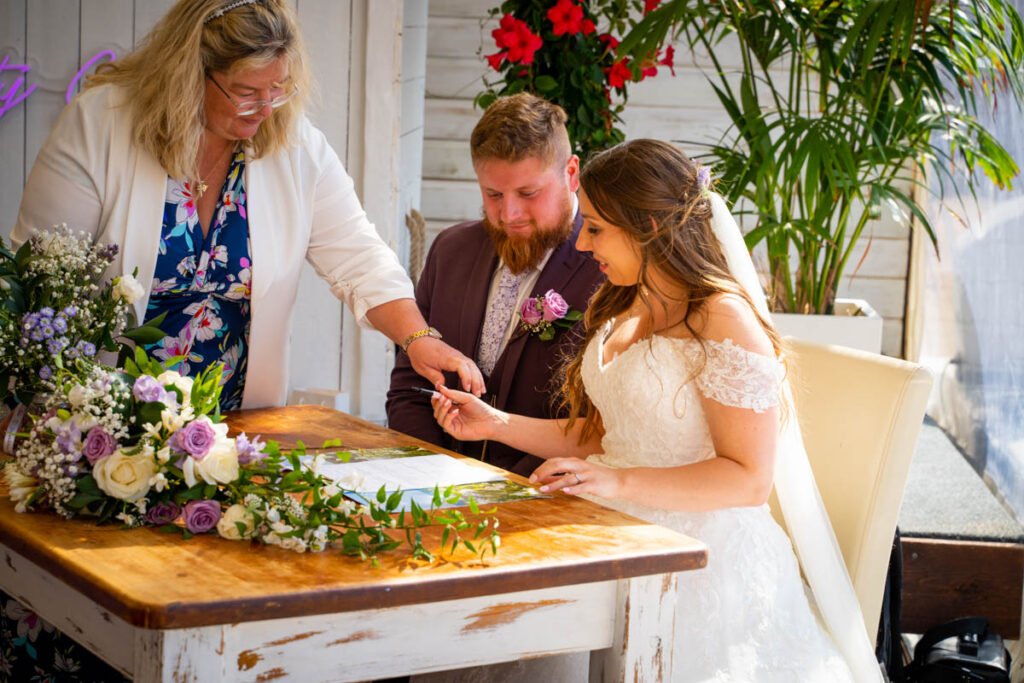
pixel 545 83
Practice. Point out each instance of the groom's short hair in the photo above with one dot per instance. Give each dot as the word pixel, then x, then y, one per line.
pixel 521 126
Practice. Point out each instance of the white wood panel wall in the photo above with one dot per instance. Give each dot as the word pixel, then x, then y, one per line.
pixel 55 38
pixel 682 109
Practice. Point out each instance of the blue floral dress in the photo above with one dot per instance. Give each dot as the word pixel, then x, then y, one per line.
pixel 203 284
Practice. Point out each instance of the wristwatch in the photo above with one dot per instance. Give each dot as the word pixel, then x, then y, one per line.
pixel 428 332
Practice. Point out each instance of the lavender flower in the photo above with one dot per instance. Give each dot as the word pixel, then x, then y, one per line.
pixel 249 451
pixel 45 372
pixel 69 439
pixel 201 515
pixel 164 512
pixel 55 346
pixel 71 311
pixel 148 390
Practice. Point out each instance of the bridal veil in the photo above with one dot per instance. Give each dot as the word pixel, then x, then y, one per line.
pixel 802 508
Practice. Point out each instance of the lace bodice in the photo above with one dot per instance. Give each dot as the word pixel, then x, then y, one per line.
pixel 658 384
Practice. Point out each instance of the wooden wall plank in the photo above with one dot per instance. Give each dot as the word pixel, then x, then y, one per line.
pixel 323 24
pixel 52 47
pixel 13 167
pixel 147 13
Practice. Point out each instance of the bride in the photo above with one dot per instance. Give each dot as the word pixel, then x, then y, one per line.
pixel 679 414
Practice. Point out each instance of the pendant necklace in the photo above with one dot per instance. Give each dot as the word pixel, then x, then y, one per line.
pixel 201 186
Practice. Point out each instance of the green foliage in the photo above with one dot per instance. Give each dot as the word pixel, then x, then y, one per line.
pixel 571 63
pixel 838 109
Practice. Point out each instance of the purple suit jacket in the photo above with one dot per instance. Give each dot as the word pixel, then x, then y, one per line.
pixel 452 294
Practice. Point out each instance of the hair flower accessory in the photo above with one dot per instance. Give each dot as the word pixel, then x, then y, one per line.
pixel 704 180
pixel 542 314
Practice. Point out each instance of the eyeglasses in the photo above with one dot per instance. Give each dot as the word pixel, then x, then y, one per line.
pixel 250 107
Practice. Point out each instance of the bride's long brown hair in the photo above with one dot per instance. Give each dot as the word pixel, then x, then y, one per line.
pixel 652 191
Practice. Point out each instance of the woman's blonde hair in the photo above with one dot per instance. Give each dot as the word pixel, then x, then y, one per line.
pixel 166 74
pixel 653 192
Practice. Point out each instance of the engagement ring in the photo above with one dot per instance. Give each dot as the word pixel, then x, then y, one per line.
pixel 578 480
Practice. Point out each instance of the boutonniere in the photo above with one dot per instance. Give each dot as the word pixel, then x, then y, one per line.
pixel 542 314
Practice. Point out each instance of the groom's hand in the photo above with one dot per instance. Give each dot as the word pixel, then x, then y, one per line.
pixel 432 357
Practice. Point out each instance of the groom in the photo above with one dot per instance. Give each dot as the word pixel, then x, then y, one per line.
pixel 478 275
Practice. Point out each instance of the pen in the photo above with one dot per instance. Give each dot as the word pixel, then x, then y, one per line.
pixel 432 394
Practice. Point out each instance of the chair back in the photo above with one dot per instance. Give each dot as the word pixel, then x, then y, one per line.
pixel 860 414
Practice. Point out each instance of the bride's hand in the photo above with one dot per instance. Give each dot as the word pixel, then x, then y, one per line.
pixel 464 416
pixel 576 476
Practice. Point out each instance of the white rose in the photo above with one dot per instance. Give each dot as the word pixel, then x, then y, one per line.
pixel 125 477
pixel 184 384
pixel 227 527
pixel 220 466
pixel 128 289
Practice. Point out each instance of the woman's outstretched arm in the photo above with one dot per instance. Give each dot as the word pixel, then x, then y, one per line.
pixel 467 418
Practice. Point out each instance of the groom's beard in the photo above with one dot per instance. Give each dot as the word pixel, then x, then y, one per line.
pixel 520 254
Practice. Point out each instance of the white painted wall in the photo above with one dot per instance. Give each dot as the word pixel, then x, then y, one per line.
pixel 362 104
pixel 682 109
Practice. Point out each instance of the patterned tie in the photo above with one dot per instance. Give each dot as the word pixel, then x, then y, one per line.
pixel 499 313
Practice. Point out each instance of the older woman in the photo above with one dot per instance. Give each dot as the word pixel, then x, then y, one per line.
pixel 193 154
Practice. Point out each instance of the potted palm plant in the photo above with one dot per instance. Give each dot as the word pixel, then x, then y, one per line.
pixel 837 111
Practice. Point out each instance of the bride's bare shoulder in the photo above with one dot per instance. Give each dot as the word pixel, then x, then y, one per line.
pixel 730 316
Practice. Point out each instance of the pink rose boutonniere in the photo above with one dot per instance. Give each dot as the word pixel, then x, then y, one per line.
pixel 541 315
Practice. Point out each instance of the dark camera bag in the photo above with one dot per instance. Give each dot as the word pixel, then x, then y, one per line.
pixel 960 651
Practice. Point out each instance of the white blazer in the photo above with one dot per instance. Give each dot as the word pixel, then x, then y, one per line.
pixel 301 205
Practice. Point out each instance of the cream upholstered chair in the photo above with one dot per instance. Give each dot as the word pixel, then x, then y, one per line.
pixel 860 414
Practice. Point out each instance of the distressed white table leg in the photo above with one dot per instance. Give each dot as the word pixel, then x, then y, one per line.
pixel 645 622
pixel 180 655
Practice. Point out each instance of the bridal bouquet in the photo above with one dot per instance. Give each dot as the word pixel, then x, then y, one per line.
pixel 55 307
pixel 142 445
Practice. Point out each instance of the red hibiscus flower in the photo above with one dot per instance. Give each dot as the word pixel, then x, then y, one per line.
pixel 610 41
pixel 496 59
pixel 619 73
pixel 566 17
pixel 669 59
pixel 588 27
pixel 516 38
pixel 650 4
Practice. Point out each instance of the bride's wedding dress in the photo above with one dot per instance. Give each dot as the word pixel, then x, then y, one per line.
pixel 746 616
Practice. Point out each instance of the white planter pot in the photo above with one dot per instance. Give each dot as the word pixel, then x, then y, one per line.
pixel 854 324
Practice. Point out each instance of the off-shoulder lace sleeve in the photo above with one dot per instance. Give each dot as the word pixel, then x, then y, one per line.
pixel 739 378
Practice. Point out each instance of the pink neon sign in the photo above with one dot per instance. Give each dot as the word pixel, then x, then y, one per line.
pixel 15 92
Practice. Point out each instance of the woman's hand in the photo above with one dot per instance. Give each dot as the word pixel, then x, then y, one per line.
pixel 464 416
pixel 430 357
pixel 576 476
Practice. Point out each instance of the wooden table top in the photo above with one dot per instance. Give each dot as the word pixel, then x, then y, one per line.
pixel 158 580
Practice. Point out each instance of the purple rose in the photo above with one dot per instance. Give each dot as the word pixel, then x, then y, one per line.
pixel 248 451
pixel 148 390
pixel 554 306
pixel 98 444
pixel 530 312
pixel 201 515
pixel 196 439
pixel 165 512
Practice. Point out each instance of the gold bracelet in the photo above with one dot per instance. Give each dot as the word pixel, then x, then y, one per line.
pixel 428 332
